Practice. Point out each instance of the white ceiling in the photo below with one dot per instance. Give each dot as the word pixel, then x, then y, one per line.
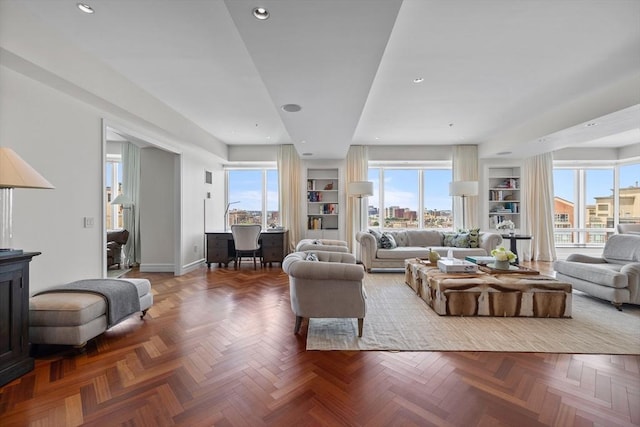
pixel 488 66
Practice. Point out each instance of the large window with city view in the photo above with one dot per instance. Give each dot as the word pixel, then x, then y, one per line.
pixel 410 197
pixel 585 202
pixel 253 197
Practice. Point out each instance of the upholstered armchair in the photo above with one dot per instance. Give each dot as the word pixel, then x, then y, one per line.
pixel 613 277
pixel 326 245
pixel 330 287
pixel 629 229
pixel 115 240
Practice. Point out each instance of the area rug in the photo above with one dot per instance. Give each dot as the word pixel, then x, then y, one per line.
pixel 397 319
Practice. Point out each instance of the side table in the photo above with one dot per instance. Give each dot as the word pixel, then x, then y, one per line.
pixel 514 239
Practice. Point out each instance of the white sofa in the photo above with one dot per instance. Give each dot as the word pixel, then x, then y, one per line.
pixel 613 277
pixel 416 244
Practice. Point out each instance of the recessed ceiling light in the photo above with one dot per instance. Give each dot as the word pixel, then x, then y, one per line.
pixel 377 138
pixel 85 8
pixel 542 140
pixel 268 137
pixel 590 124
pixel 418 80
pixel 307 154
pixel 291 108
pixel 503 153
pixel 260 13
pixel 303 142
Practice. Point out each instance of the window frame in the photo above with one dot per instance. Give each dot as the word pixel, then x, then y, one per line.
pixel 420 167
pixel 264 169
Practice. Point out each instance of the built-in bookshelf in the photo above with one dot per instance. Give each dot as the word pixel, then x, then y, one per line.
pixel 323 207
pixel 504 196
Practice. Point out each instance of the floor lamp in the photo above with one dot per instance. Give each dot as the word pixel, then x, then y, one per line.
pixel 127 203
pixel 463 189
pixel 360 189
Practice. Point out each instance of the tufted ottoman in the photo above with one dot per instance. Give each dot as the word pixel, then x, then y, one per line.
pixel 72 318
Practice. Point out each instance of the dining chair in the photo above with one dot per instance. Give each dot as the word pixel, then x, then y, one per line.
pixel 246 240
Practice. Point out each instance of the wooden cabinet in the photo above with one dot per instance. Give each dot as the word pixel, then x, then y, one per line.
pixel 274 245
pixel 220 248
pixel 14 316
pixel 504 198
pixel 323 207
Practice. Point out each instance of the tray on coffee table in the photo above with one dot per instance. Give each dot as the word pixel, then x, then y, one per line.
pixel 517 269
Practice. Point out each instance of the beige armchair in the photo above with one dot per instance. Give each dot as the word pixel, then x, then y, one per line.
pixel 629 228
pixel 327 245
pixel 331 287
pixel 613 277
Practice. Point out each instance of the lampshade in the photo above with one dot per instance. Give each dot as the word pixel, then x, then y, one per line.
pixel 360 188
pixel 123 200
pixel 463 188
pixel 16 173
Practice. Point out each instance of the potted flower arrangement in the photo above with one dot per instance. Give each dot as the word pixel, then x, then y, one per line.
pixel 503 258
pixel 506 225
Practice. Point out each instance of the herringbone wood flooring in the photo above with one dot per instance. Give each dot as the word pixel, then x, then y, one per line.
pixel 217 348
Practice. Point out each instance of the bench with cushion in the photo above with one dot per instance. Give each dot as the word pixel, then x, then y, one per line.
pixel 73 318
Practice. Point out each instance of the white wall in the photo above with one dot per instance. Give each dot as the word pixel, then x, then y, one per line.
pixel 61 137
pixel 158 198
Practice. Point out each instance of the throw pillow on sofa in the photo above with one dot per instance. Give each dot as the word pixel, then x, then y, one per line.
pixel 449 239
pixel 387 241
pixel 312 257
pixel 377 235
pixel 456 240
pixel 474 237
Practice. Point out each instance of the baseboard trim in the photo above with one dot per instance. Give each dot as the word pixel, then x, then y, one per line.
pixel 157 268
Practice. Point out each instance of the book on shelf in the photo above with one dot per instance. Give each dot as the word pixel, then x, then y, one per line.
pixel 314 196
pixel 314 223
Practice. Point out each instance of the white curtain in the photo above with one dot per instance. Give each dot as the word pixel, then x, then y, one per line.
pixel 289 182
pixel 465 168
pixel 537 212
pixel 131 189
pixel 357 170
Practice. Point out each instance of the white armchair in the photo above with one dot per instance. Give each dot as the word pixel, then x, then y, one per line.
pixel 330 287
pixel 613 277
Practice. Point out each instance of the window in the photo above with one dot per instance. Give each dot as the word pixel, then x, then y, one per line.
pixel 585 202
pixel 113 180
pixel 252 197
pixel 410 197
pixel 629 194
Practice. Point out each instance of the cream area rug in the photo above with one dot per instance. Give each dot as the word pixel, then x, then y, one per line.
pixel 397 319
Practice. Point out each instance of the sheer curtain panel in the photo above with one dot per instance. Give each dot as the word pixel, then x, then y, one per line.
pixel 465 168
pixel 357 170
pixel 131 189
pixel 289 188
pixel 538 207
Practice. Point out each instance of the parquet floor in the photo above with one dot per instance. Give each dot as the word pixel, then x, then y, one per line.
pixel 217 348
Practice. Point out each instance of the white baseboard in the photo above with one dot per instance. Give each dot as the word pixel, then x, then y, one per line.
pixel 157 268
pixel 191 266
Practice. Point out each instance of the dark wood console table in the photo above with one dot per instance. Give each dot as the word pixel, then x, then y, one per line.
pixel 14 316
pixel 220 248
pixel 514 239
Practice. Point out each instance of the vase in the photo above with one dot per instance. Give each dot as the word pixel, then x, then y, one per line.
pixel 502 265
